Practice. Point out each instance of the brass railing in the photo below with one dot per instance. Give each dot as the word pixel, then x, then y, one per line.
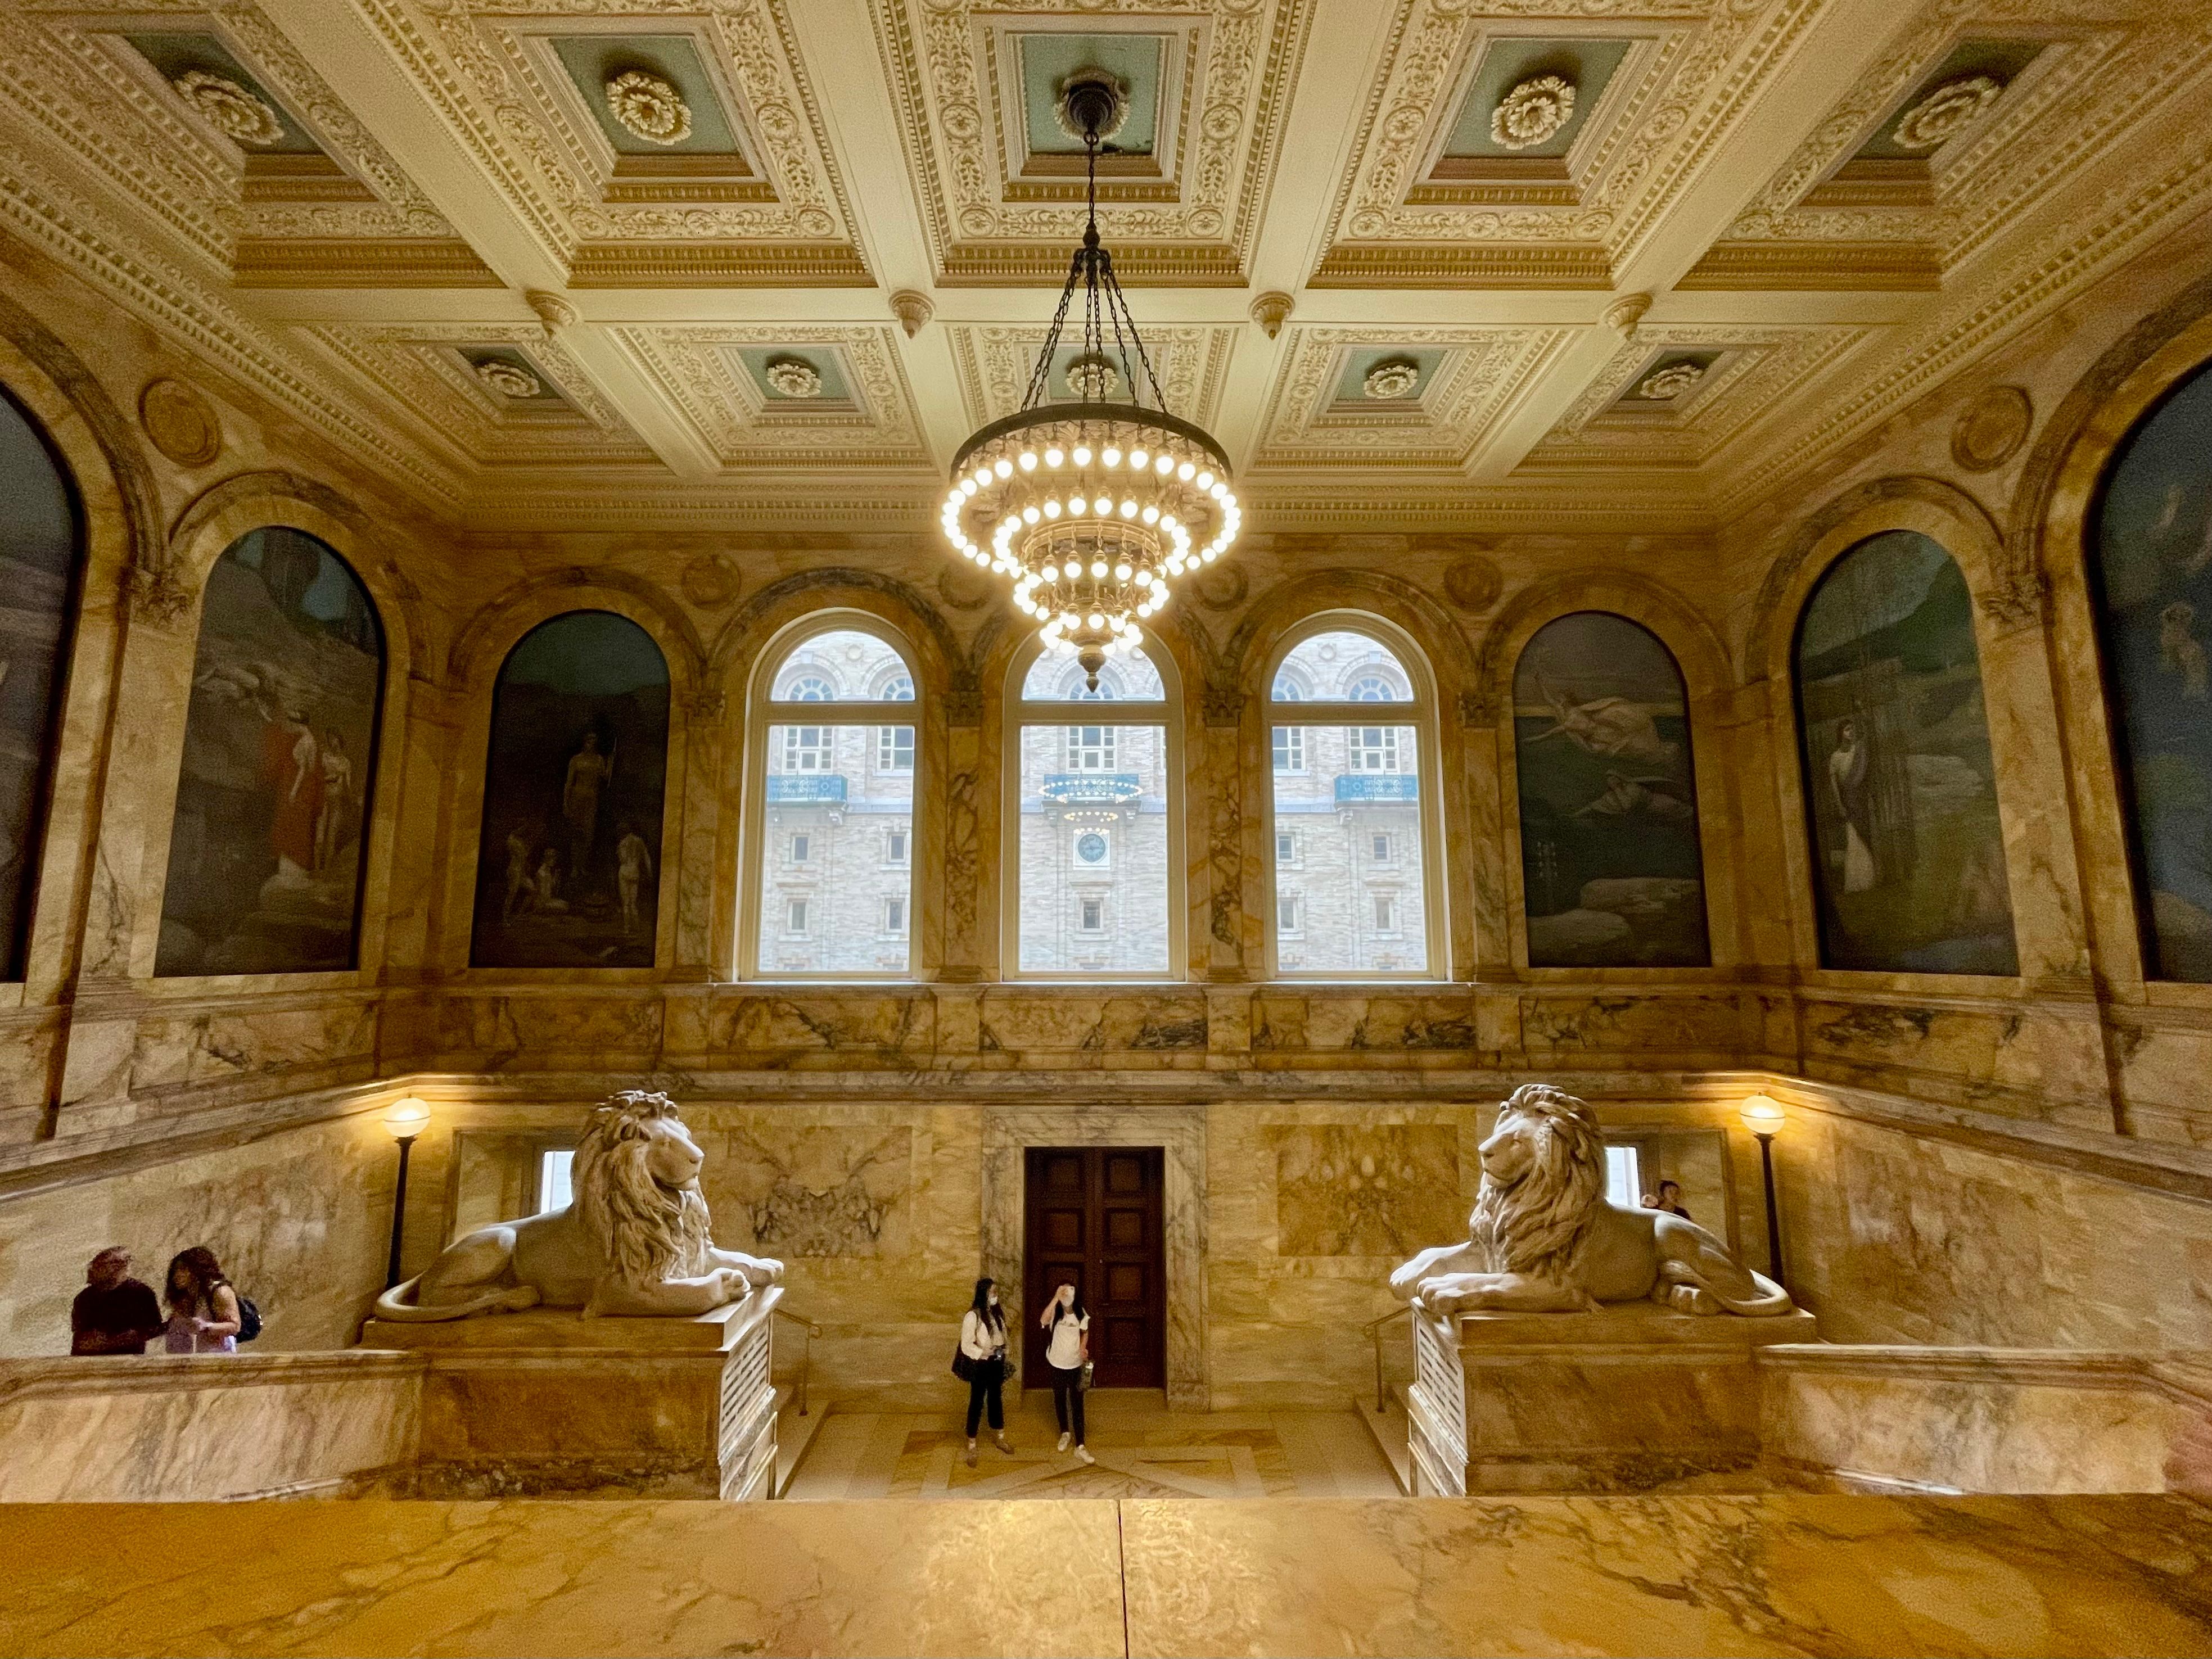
pixel 1374 1329
pixel 805 1349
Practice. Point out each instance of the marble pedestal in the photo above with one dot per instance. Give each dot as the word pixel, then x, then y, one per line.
pixel 1628 1398
pixel 547 1403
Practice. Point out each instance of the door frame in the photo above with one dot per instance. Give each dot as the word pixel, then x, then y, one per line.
pixel 1180 1131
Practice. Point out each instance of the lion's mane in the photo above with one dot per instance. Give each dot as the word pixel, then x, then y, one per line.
pixel 1537 1224
pixel 649 1233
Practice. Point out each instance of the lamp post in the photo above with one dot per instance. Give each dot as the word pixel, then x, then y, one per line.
pixel 1764 1117
pixel 404 1120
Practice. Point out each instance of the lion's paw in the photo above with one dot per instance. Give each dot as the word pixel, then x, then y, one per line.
pixel 1691 1299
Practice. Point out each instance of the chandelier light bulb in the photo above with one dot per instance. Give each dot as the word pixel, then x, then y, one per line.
pixel 1052 457
pixel 1082 454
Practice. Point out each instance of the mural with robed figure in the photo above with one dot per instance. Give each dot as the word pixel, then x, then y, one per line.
pixel 1908 853
pixel 38 561
pixel 1612 873
pixel 568 871
pixel 2151 562
pixel 266 846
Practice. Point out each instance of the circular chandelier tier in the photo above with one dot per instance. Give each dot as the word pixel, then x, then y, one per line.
pixel 1093 509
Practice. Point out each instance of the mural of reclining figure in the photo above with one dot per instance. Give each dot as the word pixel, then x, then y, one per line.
pixel 1543 1239
pixel 634 1243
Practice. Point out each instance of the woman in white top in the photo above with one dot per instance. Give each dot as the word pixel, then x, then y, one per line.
pixel 1067 1350
pixel 984 1342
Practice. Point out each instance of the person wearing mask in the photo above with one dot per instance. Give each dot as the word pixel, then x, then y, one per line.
pixel 1067 1351
pixel 203 1312
pixel 983 1342
pixel 113 1313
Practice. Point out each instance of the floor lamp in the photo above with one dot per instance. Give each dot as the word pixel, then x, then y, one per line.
pixel 1764 1117
pixel 404 1120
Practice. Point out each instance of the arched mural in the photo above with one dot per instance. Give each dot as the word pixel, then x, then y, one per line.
pixel 2150 562
pixel 1611 869
pixel 266 848
pixel 1908 854
pixel 568 871
pixel 40 555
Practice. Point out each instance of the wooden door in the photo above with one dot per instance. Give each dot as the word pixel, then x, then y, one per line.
pixel 1094 1215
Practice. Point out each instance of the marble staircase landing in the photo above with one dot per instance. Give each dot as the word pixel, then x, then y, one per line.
pixel 1143 1450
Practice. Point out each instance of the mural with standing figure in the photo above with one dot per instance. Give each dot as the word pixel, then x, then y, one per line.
pixel 1612 874
pixel 2150 561
pixel 1908 853
pixel 38 555
pixel 267 844
pixel 568 869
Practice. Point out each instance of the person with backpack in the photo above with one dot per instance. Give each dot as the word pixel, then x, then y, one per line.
pixel 981 1362
pixel 206 1315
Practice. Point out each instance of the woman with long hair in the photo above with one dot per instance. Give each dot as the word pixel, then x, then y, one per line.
pixel 983 1346
pixel 1067 1351
pixel 204 1312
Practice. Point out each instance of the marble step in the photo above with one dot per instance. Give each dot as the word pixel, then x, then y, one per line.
pixel 1389 1428
pixel 795 1433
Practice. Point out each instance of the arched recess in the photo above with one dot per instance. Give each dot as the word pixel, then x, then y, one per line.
pixel 832 752
pixel 2149 562
pixel 945 821
pixel 268 835
pixel 42 542
pixel 71 917
pixel 572 840
pixel 2040 866
pixel 1605 777
pixel 2063 493
pixel 1710 691
pixel 1899 775
pixel 158 694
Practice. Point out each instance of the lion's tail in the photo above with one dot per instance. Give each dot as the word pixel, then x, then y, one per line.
pixel 1764 1298
pixel 398 1304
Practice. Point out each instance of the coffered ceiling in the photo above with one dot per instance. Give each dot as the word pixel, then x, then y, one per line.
pixel 1415 261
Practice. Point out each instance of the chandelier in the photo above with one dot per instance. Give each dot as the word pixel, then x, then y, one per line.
pixel 1093 508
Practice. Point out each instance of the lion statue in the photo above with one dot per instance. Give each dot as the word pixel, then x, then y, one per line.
pixel 635 1242
pixel 1543 1239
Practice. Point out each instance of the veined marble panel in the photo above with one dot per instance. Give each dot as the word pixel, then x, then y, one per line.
pixel 1771 1574
pixel 1974 1420
pixel 619 1577
pixel 1357 1189
pixel 791 1191
pixel 126 1429
pixel 299 1219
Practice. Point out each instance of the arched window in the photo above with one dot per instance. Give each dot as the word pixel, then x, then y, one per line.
pixel 1908 854
pixel 569 867
pixel 1097 870
pixel 268 839
pixel 1354 893
pixel 41 563
pixel 832 851
pixel 2150 566
pixel 1611 872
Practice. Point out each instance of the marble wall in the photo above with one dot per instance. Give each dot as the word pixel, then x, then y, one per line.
pixel 300 1219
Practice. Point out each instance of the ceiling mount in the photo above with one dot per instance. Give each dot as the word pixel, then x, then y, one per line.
pixel 1094 104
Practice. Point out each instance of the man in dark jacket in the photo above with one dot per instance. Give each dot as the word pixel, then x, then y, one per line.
pixel 113 1313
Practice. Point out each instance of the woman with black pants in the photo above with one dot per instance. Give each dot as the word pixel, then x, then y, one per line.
pixel 1067 1350
pixel 983 1346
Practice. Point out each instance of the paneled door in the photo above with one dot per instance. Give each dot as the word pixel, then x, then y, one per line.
pixel 1094 1216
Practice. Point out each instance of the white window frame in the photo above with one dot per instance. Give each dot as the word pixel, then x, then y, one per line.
pixel 1286 748
pixel 895 918
pixel 1418 711
pixel 796 914
pixel 888 750
pixel 1290 914
pixel 1022 715
pixel 1294 857
pixel 764 711
pixel 1087 906
pixel 898 849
